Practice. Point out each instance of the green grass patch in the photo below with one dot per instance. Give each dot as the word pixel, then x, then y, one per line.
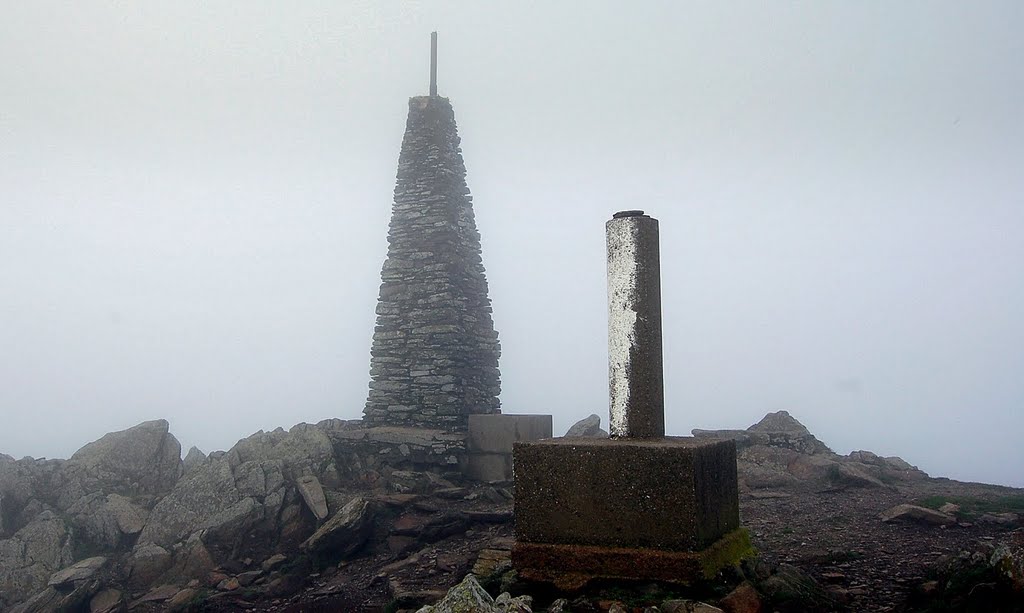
pixel 974 506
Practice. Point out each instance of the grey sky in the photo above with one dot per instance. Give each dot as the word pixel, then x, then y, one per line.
pixel 195 199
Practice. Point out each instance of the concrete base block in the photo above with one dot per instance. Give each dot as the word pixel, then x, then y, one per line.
pixel 490 440
pixel 489 466
pixel 571 567
pixel 497 433
pixel 668 494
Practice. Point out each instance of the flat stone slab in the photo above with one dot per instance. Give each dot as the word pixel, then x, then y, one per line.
pixel 572 567
pixel 83 569
pixel 914 513
pixel 421 437
pixel 669 494
pixel 313 495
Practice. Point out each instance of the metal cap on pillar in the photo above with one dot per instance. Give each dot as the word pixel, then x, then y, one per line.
pixel 636 393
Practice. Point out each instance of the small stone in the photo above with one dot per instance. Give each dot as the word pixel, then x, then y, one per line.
pixel 588 426
pixel 345 532
pixel 229 585
pixel 182 598
pixel 466 597
pixel 147 563
pixel 916 514
pixel 248 578
pixel 505 603
pixel 78 571
pixel 833 577
pixel 688 606
pixel 490 562
pixel 313 495
pixel 158 594
pixel 999 519
pixel 214 578
pixel 560 605
pixel 273 562
pixel 106 601
pixel 743 599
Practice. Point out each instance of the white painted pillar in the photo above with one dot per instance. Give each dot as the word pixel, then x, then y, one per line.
pixel 636 396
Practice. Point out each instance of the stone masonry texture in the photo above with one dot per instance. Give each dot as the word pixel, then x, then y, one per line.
pixel 434 358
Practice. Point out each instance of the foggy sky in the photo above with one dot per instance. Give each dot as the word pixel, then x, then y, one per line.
pixel 194 200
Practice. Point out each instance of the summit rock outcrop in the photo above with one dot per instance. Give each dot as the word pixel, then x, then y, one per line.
pixel 314 517
pixel 779 451
pixel 144 459
pixel 98 500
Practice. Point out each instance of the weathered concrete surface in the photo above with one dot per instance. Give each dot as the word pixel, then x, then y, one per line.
pixel 498 433
pixel 489 467
pixel 491 438
pixel 636 397
pixel 571 567
pixel 673 494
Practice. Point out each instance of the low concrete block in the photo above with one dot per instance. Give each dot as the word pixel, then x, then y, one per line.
pixel 497 433
pixel 491 438
pixel 669 494
pixel 489 466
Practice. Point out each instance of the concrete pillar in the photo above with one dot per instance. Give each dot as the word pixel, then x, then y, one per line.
pixel 635 380
pixel 674 513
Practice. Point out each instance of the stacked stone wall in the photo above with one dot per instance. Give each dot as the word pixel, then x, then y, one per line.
pixel 362 449
pixel 434 359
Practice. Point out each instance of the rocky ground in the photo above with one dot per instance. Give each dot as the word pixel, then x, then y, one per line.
pixel 837 538
pixel 288 522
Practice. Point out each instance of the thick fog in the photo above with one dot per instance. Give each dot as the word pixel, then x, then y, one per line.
pixel 194 200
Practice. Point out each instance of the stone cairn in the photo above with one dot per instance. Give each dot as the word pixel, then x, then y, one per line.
pixel 434 359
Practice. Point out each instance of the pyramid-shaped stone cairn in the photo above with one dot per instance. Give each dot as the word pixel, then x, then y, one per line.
pixel 434 359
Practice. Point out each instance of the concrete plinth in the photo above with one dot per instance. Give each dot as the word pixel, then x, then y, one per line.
pixel 665 509
pixel 676 494
pixel 571 567
pixel 491 438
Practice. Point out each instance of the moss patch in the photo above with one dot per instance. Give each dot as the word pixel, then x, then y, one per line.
pixel 727 552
